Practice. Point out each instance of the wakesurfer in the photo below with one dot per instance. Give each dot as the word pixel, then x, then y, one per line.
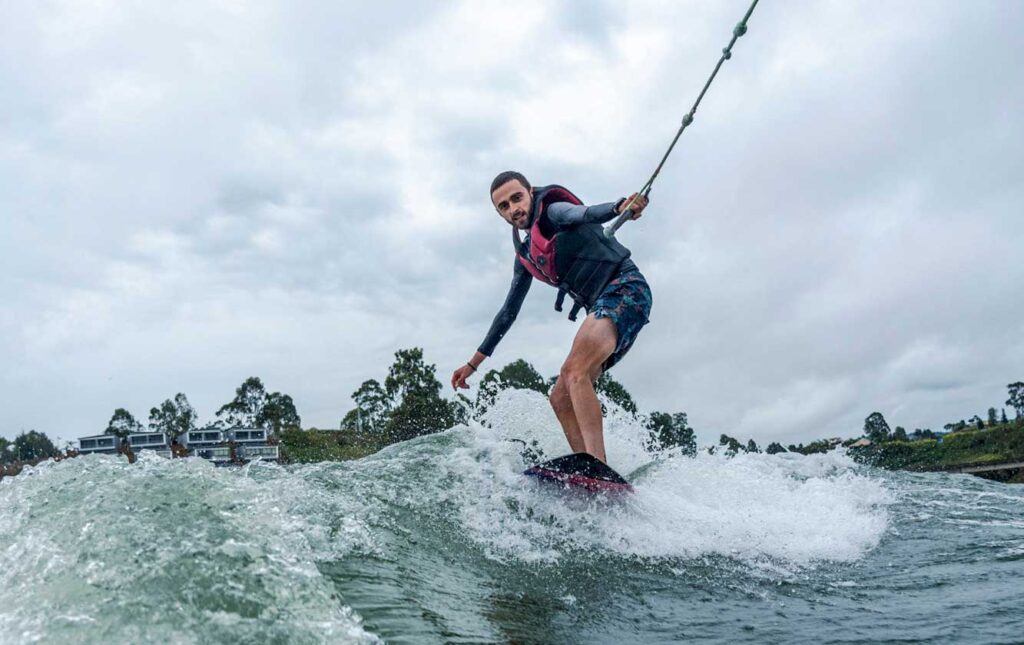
pixel 566 247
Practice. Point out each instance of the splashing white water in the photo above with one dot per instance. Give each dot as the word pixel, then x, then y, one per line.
pixel 99 550
pixel 94 549
pixel 753 506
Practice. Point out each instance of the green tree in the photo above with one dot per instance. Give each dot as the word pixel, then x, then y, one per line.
pixel 899 434
pixel 993 419
pixel 244 410
pixel 732 446
pixel 6 451
pixel 671 431
pixel 919 434
pixel 278 413
pixel 122 424
pixel 33 445
pixel 373 405
pixel 518 375
pixel 463 409
pixel 1002 418
pixel 615 393
pixel 977 422
pixel 174 417
pixel 254 407
pixel 875 427
pixel 752 446
pixel 1016 400
pixel 420 410
pixel 775 448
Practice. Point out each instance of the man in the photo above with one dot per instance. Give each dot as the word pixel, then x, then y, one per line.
pixel 566 248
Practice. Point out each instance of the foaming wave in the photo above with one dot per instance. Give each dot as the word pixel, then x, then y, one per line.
pixel 752 507
pixel 97 550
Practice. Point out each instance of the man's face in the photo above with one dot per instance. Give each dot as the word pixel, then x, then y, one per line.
pixel 513 203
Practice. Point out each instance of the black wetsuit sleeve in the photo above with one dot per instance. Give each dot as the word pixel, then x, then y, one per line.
pixel 521 281
pixel 564 214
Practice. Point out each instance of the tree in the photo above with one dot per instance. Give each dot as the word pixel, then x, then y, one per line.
pixel 245 408
pixel 410 375
pixel 899 434
pixel 33 445
pixel 1002 418
pixel 173 417
pixel 463 409
pixel 1016 400
pixel 919 434
pixel 977 422
pixel 775 448
pixel 518 375
pixel 420 409
pixel 372 408
pixel 992 418
pixel 875 427
pixel 671 431
pixel 278 413
pixel 6 451
pixel 122 424
pixel 752 446
pixel 419 415
pixel 615 393
pixel 732 445
pixel 254 407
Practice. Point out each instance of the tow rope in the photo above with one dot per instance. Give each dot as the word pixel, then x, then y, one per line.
pixel 739 30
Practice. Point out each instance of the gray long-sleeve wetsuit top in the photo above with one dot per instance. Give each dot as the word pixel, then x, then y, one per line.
pixel 561 216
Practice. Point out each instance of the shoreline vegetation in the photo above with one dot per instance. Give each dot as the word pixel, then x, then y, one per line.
pixel 409 404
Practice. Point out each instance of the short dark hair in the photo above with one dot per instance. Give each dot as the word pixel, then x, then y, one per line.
pixel 507 176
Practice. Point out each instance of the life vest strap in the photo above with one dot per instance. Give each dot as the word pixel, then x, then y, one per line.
pixel 576 306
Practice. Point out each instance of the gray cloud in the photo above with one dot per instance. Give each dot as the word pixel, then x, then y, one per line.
pixel 193 195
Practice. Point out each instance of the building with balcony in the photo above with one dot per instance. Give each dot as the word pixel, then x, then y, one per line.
pixel 208 443
pixel 156 441
pixel 102 443
pixel 206 438
pixel 248 436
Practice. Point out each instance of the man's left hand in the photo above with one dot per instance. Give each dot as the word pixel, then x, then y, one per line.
pixel 636 203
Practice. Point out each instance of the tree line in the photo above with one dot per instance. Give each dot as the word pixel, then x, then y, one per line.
pixel 27 446
pixel 877 430
pixel 252 407
pixel 409 402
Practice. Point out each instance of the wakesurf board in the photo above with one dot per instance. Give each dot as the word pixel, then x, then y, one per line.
pixel 582 471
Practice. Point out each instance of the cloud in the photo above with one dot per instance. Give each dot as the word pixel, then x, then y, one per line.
pixel 195 194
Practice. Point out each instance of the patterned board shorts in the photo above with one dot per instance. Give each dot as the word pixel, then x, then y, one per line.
pixel 627 301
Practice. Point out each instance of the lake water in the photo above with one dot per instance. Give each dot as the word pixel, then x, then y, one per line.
pixel 442 540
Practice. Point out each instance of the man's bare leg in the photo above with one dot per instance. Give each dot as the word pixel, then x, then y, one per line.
pixel 561 403
pixel 594 343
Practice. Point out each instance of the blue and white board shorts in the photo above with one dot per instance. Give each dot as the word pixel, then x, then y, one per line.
pixel 627 302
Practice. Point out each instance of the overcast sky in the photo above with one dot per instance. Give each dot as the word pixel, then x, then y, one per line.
pixel 195 192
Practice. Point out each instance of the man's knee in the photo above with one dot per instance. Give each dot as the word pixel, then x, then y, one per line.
pixel 559 397
pixel 573 373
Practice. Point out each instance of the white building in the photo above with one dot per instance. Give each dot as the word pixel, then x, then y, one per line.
pixel 208 443
pixel 101 443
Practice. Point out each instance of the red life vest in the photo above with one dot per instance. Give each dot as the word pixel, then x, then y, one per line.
pixel 579 261
pixel 539 260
